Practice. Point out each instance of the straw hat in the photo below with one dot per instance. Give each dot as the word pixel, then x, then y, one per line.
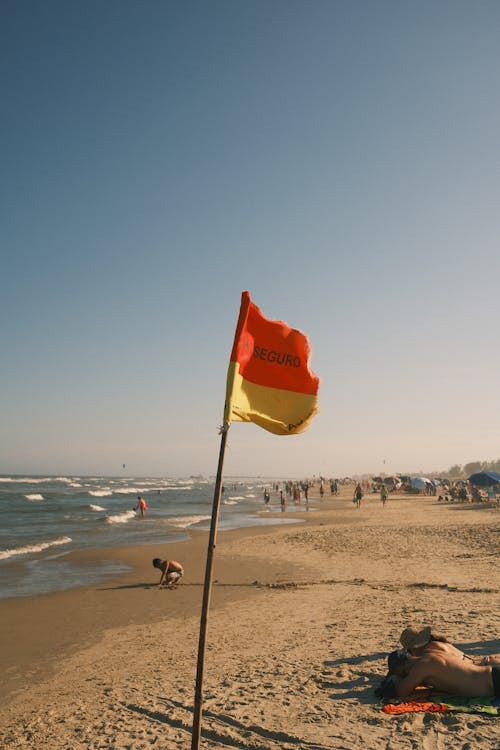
pixel 415 637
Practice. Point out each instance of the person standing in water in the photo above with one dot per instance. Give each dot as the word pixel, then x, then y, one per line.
pixel 282 501
pixel 141 505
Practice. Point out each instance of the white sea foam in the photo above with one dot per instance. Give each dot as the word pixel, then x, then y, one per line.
pixel 74 484
pixel 30 549
pixel 96 507
pixel 34 497
pixel 121 517
pixel 100 493
pixel 250 495
pixel 236 497
pixel 26 480
pixel 182 522
pixel 230 502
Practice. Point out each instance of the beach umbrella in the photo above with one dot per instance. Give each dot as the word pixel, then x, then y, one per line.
pixel 484 478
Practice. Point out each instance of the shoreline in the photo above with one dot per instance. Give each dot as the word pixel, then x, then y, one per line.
pixel 35 559
pixel 73 618
pixel 301 619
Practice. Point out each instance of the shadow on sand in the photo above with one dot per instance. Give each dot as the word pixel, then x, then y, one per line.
pixel 242 735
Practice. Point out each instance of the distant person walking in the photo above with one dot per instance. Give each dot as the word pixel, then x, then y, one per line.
pixel 383 494
pixel 141 505
pixel 358 495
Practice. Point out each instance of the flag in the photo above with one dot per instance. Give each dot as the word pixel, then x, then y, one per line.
pixel 269 381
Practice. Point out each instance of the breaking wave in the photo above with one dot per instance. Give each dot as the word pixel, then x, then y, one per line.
pixel 182 522
pixel 121 517
pixel 32 548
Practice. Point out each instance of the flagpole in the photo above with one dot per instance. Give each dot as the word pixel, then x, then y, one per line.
pixel 207 590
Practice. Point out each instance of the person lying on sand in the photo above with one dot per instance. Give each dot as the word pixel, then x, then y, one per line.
pixel 171 571
pixel 420 641
pixel 442 670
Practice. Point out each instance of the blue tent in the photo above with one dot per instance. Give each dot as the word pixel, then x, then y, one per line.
pixel 485 478
pixel 420 483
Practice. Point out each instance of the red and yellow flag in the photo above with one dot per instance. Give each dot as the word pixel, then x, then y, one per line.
pixel 269 381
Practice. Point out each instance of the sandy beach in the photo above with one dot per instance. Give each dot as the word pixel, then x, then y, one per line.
pixel 302 618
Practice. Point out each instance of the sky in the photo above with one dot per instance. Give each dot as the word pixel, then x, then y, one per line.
pixel 340 160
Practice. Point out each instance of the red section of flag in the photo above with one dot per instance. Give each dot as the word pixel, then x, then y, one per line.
pixel 270 353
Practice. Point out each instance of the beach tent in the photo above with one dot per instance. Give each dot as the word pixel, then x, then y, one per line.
pixel 484 478
pixel 420 483
pixel 392 482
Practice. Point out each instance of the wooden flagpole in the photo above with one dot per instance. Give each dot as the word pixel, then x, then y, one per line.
pixel 207 591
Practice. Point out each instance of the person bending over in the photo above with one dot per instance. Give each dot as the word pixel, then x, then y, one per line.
pixel 171 571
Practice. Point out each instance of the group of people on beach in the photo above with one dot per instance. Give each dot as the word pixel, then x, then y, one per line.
pixel 429 660
pixel 358 495
pixel 289 491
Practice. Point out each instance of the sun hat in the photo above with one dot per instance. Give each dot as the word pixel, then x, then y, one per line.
pixel 412 637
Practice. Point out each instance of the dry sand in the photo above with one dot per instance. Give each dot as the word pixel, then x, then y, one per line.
pixel 301 621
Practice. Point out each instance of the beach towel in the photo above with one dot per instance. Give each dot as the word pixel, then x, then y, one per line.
pixel 439 703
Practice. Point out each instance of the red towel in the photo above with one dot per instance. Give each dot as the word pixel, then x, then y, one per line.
pixel 403 708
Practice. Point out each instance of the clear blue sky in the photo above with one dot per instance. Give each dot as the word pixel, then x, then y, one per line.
pixel 340 160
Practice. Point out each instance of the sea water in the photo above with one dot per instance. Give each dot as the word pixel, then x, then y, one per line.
pixel 44 518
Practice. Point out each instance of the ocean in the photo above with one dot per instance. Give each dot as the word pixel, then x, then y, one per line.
pixel 45 518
